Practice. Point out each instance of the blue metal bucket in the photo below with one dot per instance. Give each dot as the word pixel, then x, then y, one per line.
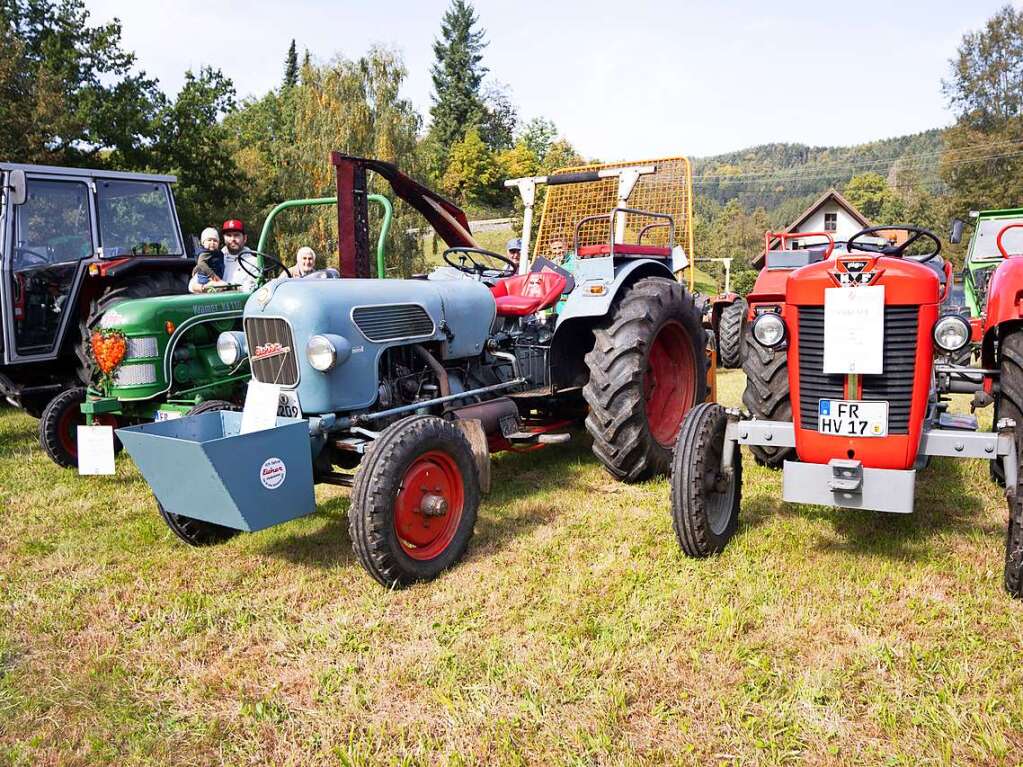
pixel 201 467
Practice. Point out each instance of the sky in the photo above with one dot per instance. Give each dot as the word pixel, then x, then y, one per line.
pixel 619 79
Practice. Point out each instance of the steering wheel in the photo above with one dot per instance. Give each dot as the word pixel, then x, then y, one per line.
pixel 469 264
pixel 268 269
pixel 38 260
pixel 896 251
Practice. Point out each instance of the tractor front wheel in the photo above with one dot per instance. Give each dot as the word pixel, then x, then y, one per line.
pixel 648 367
pixel 414 501
pixel 704 498
pixel 58 427
pixel 730 329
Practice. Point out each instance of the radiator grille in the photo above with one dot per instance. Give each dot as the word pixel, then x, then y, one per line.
pixel 389 323
pixel 894 386
pixel 271 332
pixel 896 383
pixel 813 384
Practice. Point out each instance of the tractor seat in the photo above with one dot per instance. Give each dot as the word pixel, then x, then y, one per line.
pixel 528 293
pixel 624 249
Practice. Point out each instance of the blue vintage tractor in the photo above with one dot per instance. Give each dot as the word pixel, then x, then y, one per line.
pixel 401 389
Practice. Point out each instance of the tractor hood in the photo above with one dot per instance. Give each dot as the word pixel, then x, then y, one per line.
pixel 150 315
pixel 363 318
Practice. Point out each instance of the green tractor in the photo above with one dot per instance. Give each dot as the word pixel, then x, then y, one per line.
pixel 156 358
pixel 983 255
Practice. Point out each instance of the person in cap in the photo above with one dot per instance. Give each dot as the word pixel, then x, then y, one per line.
pixel 235 252
pixel 209 269
pixel 514 248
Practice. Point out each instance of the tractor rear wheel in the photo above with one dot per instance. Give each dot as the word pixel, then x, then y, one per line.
pixel 704 500
pixel 414 501
pixel 146 285
pixel 648 368
pixel 767 397
pixel 199 532
pixel 731 326
pixel 58 427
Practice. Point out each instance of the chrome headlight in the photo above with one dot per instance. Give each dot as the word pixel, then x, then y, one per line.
pixel 769 329
pixel 952 333
pixel 321 353
pixel 231 347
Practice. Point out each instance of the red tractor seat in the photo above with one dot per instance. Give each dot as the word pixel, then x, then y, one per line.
pixel 528 293
pixel 622 249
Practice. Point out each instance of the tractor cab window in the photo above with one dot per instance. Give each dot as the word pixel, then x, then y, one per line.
pixel 985 241
pixel 135 219
pixel 52 234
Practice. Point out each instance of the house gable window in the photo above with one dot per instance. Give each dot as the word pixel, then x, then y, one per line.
pixel 830 222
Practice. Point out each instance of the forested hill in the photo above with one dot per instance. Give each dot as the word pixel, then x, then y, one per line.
pixel 775 176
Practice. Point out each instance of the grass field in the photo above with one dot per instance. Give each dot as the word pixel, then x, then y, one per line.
pixel 575 632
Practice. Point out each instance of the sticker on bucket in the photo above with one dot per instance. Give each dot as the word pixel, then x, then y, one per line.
pixel 272 473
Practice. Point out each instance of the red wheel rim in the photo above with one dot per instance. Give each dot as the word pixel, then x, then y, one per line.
pixel 67 428
pixel 668 386
pixel 429 506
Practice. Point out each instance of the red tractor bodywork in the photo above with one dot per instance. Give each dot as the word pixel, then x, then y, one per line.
pixel 769 289
pixel 908 356
pixel 1004 301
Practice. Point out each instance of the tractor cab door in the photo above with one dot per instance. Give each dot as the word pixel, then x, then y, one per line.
pixel 45 241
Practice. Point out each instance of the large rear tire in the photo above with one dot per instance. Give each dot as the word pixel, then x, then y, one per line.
pixel 145 285
pixel 1009 404
pixel 648 368
pixel 704 500
pixel 767 397
pixel 731 326
pixel 414 501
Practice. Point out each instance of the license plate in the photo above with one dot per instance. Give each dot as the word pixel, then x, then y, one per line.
pixel 852 419
pixel 287 404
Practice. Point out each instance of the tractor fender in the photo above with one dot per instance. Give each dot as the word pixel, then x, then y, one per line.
pixel 1005 289
pixel 769 288
pixel 582 304
pixel 573 335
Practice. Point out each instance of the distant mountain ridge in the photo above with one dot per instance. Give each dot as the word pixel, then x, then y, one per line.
pixel 783 176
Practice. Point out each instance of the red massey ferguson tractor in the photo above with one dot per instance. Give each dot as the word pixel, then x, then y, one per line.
pixel 864 343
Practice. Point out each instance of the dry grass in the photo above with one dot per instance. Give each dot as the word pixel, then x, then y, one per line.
pixel 575 632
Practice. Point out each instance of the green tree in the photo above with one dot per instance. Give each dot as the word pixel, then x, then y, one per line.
pixel 473 172
pixel 871 195
pixel 192 142
pixel 561 154
pixel 518 161
pixel 68 89
pixel 538 135
pixel 457 74
pixel 291 67
pixel 986 91
pixel 497 124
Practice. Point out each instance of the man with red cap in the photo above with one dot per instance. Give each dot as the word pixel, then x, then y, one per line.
pixel 235 252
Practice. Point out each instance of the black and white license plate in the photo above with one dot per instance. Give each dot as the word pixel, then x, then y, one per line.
pixel 852 419
pixel 287 404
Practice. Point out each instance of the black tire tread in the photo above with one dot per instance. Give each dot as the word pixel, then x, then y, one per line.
pixel 370 515
pixel 767 397
pixel 731 325
pixel 614 392
pixel 1010 405
pixel 688 514
pixel 49 426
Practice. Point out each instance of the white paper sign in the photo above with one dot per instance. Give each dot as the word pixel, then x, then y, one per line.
pixel 854 330
pixel 95 449
pixel 260 411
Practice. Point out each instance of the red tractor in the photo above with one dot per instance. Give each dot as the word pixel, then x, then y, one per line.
pixel 863 340
pixel 726 318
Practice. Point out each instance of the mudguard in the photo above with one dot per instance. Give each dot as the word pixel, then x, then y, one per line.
pixel 1005 289
pixel 590 272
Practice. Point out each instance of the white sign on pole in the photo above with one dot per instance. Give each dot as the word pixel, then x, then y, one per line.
pixel 260 411
pixel 854 330
pixel 95 450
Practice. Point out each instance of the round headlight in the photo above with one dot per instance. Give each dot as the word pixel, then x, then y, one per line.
pixel 321 353
pixel 769 330
pixel 231 347
pixel 952 333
